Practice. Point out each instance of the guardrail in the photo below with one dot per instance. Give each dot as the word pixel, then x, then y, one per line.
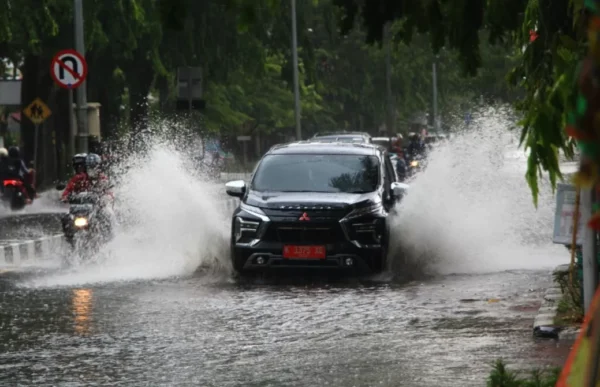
pixel 30 252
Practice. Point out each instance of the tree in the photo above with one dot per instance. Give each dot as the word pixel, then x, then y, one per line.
pixel 546 64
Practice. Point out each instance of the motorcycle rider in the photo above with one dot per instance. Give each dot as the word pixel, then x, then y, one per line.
pixel 401 166
pixel 416 146
pixel 17 169
pixel 3 166
pixel 397 144
pixel 87 176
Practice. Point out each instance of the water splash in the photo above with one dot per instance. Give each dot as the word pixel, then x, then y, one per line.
pixel 170 219
pixel 471 210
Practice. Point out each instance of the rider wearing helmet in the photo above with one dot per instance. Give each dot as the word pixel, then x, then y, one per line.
pixel 416 146
pixel 17 169
pixel 397 144
pixel 3 165
pixel 87 175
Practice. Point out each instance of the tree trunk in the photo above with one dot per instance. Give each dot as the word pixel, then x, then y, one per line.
pixel 109 112
pixel 163 95
pixel 138 116
pixel 29 90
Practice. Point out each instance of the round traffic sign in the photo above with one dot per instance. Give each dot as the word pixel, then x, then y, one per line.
pixel 68 69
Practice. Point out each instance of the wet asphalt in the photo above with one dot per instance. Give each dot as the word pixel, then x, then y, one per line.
pixel 212 330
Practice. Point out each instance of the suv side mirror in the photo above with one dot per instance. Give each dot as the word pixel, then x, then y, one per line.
pixel 61 186
pixel 399 190
pixel 236 188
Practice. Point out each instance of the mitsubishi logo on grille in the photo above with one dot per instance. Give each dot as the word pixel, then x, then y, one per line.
pixel 304 217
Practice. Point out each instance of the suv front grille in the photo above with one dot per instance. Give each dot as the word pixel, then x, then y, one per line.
pixel 317 235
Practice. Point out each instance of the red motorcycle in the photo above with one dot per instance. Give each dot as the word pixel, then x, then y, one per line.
pixel 14 194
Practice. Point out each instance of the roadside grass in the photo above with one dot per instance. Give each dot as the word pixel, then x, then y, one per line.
pixel 500 376
pixel 570 307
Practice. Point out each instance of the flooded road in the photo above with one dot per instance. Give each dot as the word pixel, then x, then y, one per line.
pixel 142 319
pixel 211 332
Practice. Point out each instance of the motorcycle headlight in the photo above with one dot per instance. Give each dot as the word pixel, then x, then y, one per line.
pixel 80 222
pixel 414 163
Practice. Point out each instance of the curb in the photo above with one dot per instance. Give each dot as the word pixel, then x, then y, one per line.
pixel 543 324
pixel 37 250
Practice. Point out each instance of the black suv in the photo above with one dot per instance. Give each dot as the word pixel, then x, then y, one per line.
pixel 314 204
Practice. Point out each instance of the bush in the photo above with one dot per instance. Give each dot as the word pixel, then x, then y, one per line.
pixel 502 377
pixel 570 307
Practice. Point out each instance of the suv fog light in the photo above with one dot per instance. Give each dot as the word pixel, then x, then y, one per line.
pixel 260 260
pixel 349 261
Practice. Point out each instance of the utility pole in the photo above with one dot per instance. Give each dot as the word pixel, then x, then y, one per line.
pixel 390 116
pixel 296 80
pixel 82 124
pixel 588 249
pixel 435 96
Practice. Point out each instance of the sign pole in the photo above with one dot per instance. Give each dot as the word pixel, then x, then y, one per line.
pixel 36 145
pixel 71 126
pixel 82 125
pixel 297 112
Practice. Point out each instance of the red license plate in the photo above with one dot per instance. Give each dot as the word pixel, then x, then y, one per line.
pixel 304 252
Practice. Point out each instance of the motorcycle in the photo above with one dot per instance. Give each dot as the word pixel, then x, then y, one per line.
pixel 415 165
pixel 14 194
pixel 86 226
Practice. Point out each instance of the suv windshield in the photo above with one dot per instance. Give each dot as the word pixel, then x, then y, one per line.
pixel 317 173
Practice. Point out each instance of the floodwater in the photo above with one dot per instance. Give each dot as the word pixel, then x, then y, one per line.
pixel 445 331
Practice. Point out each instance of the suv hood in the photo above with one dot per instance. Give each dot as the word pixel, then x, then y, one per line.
pixel 275 200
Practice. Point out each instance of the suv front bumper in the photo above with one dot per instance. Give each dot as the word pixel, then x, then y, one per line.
pixel 345 256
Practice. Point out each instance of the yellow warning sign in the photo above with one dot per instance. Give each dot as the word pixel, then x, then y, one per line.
pixel 37 111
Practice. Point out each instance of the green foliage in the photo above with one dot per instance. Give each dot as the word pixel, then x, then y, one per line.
pixel 545 68
pixel 502 377
pixel 134 47
pixel 570 307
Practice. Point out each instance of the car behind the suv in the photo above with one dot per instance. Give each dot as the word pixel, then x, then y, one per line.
pixel 353 137
pixel 313 204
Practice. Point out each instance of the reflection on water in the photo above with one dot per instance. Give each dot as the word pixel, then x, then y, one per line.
pixel 82 311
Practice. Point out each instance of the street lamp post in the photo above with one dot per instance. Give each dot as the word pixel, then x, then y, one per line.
pixel 390 109
pixel 295 64
pixel 82 125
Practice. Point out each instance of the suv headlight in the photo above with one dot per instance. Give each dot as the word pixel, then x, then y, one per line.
pixel 244 228
pixel 365 225
pixel 375 209
pixel 251 224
